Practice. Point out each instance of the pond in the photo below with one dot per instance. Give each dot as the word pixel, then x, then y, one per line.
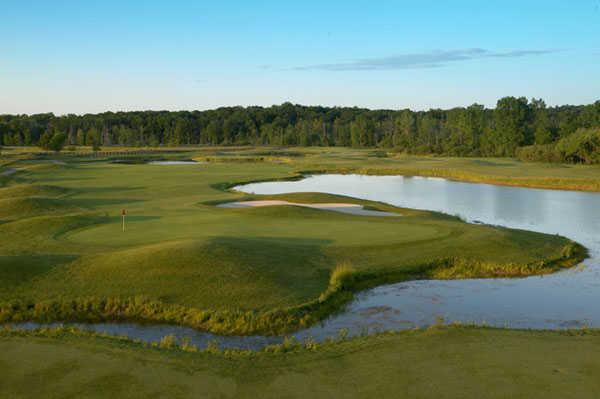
pixel 563 300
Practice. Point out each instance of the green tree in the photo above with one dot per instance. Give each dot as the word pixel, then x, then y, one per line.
pixel 213 132
pixel 183 132
pixel 92 138
pixel 57 142
pixel 80 137
pixel 406 130
pixel 583 146
pixel 44 141
pixel 474 130
pixel 95 143
pixel 541 122
pixel 356 129
pixel 511 129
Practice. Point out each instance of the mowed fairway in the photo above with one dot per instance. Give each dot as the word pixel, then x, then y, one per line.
pixel 63 240
pixel 454 362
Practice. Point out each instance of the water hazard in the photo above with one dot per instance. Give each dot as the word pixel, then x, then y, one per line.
pixel 562 300
pixel 565 299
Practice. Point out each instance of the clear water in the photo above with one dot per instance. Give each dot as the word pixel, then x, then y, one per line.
pixel 562 300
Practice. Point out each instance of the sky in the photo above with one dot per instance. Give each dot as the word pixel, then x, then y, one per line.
pixel 94 56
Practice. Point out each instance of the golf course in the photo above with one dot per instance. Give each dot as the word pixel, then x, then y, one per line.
pixel 362 200
pixel 116 237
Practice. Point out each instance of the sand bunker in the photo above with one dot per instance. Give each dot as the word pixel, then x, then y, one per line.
pixel 352 209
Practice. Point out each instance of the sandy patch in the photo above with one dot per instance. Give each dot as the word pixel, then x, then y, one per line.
pixel 353 209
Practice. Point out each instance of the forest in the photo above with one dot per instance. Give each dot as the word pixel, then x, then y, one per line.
pixel 527 129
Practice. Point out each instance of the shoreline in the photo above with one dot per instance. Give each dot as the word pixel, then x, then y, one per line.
pixel 343 286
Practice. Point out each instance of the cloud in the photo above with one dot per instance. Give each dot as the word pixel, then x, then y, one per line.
pixel 433 59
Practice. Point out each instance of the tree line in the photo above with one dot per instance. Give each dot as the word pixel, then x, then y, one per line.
pixel 463 131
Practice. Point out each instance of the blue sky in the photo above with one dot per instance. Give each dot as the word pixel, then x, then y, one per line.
pixel 92 56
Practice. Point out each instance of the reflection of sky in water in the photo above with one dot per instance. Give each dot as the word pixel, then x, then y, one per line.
pixel 565 299
pixel 562 300
pixel 569 213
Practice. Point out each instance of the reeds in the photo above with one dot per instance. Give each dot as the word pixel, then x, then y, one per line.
pixel 344 281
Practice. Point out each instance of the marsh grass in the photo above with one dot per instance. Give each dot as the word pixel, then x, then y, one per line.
pixel 168 342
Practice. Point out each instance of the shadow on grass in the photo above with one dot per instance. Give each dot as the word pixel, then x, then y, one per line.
pixel 19 269
pixel 298 264
pixel 95 202
pixel 110 189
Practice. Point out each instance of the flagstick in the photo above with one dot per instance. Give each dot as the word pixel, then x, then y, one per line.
pixel 123 214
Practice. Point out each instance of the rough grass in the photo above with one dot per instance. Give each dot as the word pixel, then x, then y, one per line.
pixel 31 190
pixel 181 259
pixel 440 362
pixel 25 207
pixel 215 274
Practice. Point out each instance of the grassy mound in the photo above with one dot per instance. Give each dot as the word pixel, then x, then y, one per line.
pixel 32 190
pixel 221 273
pixel 43 234
pixel 26 207
pixel 20 201
pixel 19 270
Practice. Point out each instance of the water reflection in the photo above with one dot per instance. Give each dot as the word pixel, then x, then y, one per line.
pixel 565 299
pixel 569 213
